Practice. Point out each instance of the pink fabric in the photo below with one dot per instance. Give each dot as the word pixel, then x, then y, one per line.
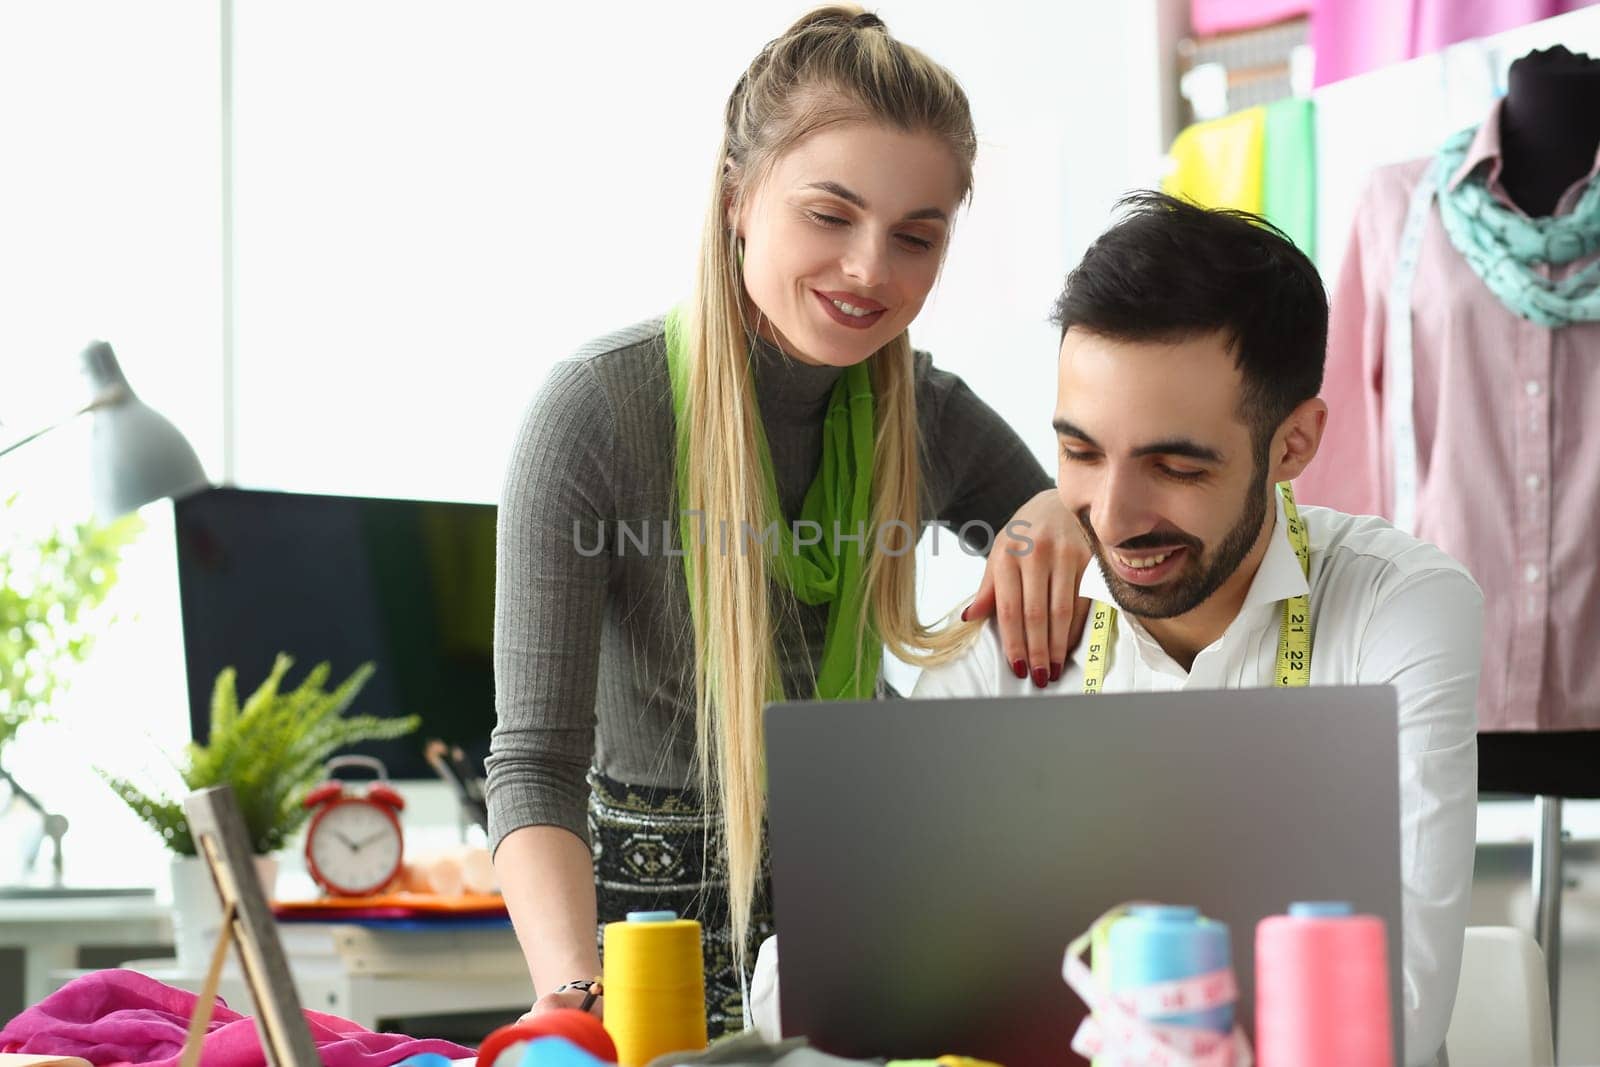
pixel 1207 17
pixel 1351 37
pixel 122 1017
pixel 1508 447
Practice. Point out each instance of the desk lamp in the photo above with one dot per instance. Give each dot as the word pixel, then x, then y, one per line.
pixel 137 456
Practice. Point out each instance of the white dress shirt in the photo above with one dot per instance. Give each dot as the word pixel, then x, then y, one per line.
pixel 1386 609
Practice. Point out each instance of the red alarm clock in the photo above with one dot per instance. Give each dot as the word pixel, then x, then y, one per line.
pixel 354 844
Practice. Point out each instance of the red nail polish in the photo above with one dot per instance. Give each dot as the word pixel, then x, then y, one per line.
pixel 964 613
pixel 1040 677
pixel 1020 668
pixel 1055 672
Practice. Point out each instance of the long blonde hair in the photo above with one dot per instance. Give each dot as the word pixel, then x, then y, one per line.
pixel 836 64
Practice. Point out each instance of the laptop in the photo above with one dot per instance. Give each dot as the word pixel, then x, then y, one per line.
pixel 931 859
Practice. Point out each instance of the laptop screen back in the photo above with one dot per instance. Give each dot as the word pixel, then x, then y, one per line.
pixel 932 859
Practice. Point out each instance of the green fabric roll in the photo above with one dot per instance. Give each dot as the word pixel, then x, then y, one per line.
pixel 1289 172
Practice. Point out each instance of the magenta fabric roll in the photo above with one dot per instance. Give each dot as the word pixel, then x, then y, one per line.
pixel 123 1017
pixel 1208 17
pixel 1351 37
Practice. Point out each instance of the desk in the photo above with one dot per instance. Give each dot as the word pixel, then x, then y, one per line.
pixel 50 931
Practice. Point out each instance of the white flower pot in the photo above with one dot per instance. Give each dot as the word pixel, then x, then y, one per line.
pixel 196 912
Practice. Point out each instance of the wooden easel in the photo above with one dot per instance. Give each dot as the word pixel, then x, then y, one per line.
pixel 201 1019
pixel 247 925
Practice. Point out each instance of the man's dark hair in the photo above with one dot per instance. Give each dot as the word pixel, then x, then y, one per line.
pixel 1169 270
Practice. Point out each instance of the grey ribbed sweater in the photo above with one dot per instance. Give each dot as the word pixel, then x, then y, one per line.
pixel 593 641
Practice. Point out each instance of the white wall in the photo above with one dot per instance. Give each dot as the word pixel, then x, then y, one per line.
pixel 110 209
pixel 441 200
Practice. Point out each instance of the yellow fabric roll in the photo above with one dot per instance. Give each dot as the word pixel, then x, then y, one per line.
pixel 1218 164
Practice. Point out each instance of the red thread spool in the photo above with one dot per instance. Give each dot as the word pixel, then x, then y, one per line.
pixel 1322 989
pixel 579 1027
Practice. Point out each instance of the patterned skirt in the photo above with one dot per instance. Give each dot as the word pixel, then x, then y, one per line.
pixel 650 855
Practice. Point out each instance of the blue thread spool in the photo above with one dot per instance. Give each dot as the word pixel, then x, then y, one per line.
pixel 1160 943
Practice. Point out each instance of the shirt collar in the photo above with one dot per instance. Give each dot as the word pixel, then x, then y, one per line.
pixel 1485 148
pixel 1277 579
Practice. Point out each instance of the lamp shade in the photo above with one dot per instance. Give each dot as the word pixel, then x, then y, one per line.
pixel 137 455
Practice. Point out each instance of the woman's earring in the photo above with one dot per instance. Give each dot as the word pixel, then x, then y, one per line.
pixel 739 251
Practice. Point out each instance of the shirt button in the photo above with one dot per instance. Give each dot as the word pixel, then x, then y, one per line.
pixel 1531 573
pixel 1532 481
pixel 1532 388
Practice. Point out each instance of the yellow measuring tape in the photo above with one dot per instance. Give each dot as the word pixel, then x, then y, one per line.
pixel 1294 634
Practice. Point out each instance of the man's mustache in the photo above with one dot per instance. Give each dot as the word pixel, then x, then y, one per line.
pixel 1155 539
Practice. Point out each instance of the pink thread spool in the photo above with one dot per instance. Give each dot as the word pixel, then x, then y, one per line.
pixel 1322 989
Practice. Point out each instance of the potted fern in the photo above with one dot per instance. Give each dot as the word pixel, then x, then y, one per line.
pixel 271 750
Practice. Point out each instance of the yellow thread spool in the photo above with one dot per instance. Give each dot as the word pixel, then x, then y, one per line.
pixel 655 986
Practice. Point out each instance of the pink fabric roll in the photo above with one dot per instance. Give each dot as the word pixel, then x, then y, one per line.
pixel 1322 992
pixel 123 1017
pixel 1209 17
pixel 1350 37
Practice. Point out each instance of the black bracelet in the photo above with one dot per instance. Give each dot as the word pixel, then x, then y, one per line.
pixel 591 987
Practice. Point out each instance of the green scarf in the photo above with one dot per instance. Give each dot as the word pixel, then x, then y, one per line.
pixel 839 499
pixel 1503 247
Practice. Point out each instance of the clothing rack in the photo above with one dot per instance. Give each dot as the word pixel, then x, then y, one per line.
pixel 1228 72
pixel 1548 883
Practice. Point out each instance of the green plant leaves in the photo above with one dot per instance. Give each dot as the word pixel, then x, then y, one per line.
pixel 270 750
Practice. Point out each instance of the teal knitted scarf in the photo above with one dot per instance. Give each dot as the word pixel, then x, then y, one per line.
pixel 1504 247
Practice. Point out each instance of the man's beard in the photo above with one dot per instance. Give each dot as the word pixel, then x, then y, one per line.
pixel 1200 577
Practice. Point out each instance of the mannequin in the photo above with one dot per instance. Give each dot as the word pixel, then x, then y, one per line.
pixel 1508 376
pixel 1549 126
pixel 1549 135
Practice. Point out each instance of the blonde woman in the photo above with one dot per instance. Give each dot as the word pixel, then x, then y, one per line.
pixel 714 510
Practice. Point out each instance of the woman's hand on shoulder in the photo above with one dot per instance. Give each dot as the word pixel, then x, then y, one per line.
pixel 1030 586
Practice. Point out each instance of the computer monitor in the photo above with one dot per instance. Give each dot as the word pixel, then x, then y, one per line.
pixel 406 584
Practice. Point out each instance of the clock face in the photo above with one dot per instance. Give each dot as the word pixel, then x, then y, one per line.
pixel 354 847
